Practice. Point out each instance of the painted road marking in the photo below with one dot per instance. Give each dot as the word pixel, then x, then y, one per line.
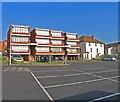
pixel 51 99
pixel 68 75
pixel 97 76
pixel 60 75
pixel 105 97
pixel 52 70
pixel 81 82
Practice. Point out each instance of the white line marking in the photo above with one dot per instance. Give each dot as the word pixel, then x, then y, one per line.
pixel 101 98
pixel 52 70
pixel 60 75
pixel 53 76
pixel 96 75
pixel 48 95
pixel 6 69
pixel 107 71
pixel 69 84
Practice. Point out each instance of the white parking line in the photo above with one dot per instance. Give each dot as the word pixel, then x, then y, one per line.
pixel 6 69
pixel 107 71
pixel 105 97
pixel 52 70
pixel 97 75
pixel 69 84
pixel 54 76
pixel 48 95
pixel 68 75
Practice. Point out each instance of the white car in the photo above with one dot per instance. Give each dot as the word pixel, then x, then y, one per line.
pixel 109 59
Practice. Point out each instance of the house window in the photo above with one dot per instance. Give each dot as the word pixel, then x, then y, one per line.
pixel 97 50
pixel 91 56
pixel 95 44
pixel 90 49
pixel 89 44
pixel 100 45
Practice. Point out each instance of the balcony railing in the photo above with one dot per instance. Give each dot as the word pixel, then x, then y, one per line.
pixel 73 52
pixel 73 39
pixel 20 42
pixel 28 51
pixel 62 36
pixel 37 35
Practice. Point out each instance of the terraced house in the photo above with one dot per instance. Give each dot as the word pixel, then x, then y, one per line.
pixel 42 44
pixel 18 41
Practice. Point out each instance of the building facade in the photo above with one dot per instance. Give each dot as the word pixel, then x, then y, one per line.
pixel 91 48
pixel 73 51
pixel 18 41
pixel 42 43
pixel 112 48
pixel 3 47
pixel 55 44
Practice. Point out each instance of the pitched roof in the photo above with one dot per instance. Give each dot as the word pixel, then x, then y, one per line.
pixel 112 45
pixel 90 39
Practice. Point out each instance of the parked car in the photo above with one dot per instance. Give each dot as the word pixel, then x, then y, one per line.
pixel 4 54
pixel 109 59
pixel 16 58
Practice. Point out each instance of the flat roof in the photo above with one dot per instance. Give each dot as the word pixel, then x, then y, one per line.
pixel 71 33
pixel 19 26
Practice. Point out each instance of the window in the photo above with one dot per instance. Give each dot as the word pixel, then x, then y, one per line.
pixel 59 42
pixel 42 49
pixel 97 50
pixel 91 56
pixel 56 34
pixel 71 50
pixel 39 32
pixel 56 49
pixel 20 29
pixel 20 48
pixel 100 45
pixel 19 39
pixel 95 44
pixel 89 44
pixel 71 36
pixel 42 41
pixel 71 43
pixel 90 49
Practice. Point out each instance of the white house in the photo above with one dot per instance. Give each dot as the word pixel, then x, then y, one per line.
pixel 91 47
pixel 112 48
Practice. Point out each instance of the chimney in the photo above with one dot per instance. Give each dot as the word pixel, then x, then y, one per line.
pixel 93 37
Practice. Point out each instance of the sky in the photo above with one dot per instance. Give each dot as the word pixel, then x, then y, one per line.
pixel 85 18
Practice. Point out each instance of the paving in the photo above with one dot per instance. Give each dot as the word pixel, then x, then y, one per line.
pixel 88 81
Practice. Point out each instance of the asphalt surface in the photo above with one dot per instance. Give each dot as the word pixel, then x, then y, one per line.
pixel 88 81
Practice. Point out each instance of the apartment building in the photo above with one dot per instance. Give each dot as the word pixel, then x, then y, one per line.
pixel 72 40
pixel 18 41
pixel 91 47
pixel 50 43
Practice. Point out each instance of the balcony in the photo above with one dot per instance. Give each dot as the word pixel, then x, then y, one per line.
pixel 73 39
pixel 75 46
pixel 43 36
pixel 21 43
pixel 44 44
pixel 58 45
pixel 58 37
pixel 20 34
pixel 73 53
pixel 43 53
pixel 58 53
pixel 20 52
